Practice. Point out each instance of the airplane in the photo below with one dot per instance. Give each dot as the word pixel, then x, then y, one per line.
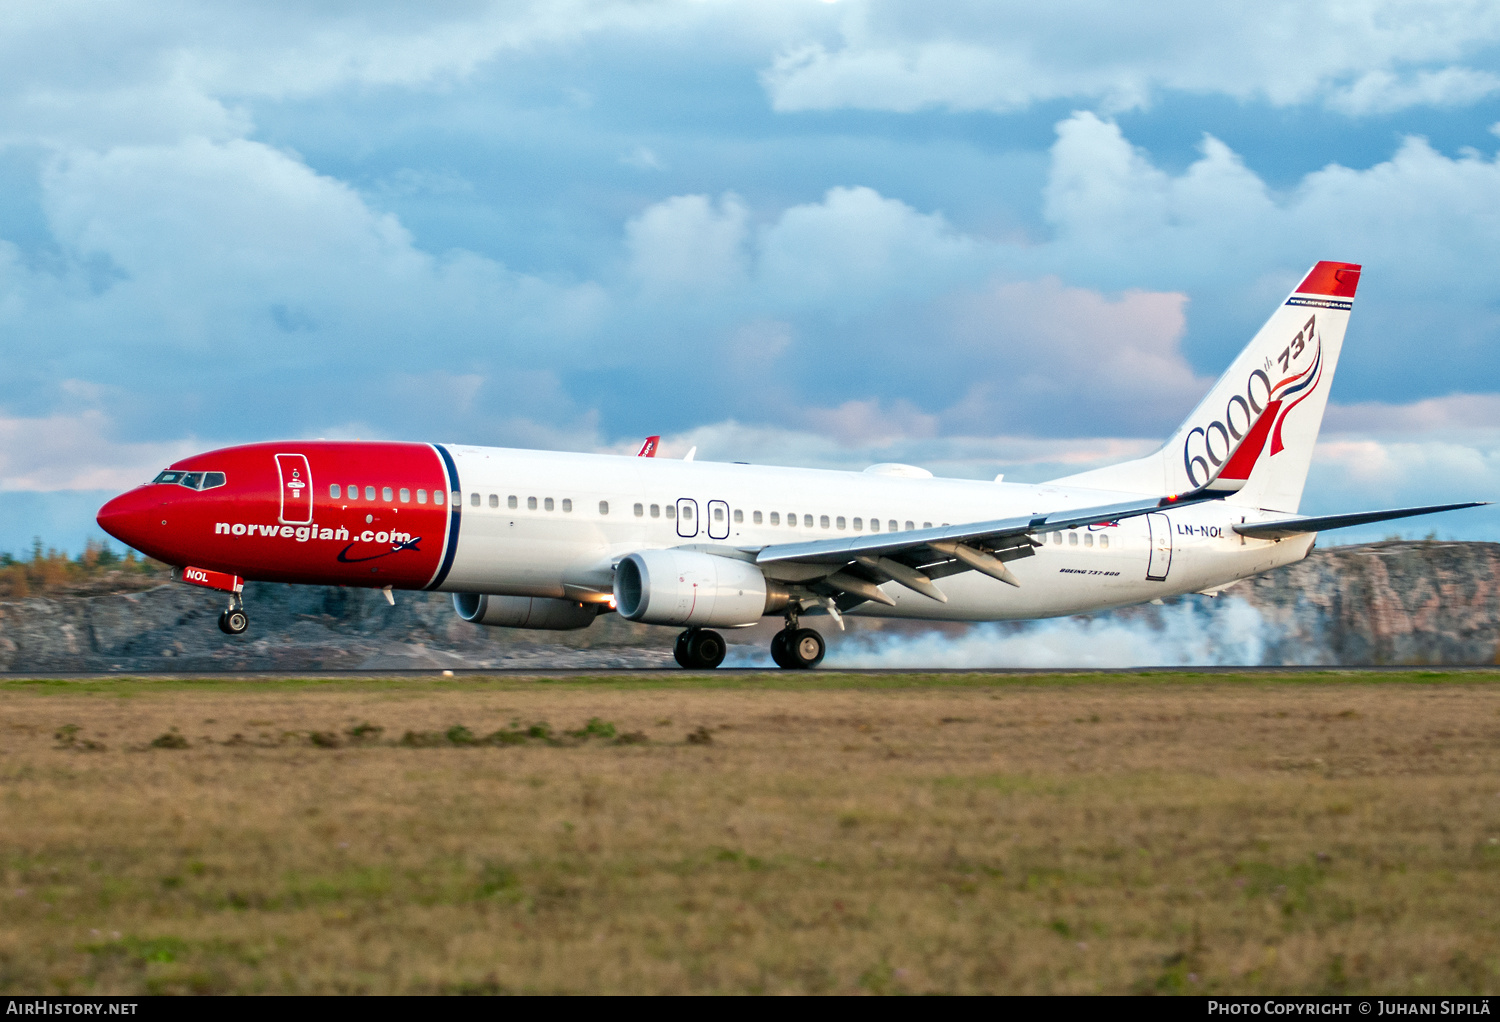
pixel 549 540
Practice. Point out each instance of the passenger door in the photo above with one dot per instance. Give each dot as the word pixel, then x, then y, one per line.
pixel 687 518
pixel 1160 528
pixel 296 489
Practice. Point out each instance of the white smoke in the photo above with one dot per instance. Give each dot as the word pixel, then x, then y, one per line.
pixel 1191 633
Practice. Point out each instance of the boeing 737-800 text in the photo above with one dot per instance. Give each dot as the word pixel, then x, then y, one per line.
pixel 539 539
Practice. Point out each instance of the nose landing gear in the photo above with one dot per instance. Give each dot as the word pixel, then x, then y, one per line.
pixel 234 621
pixel 699 649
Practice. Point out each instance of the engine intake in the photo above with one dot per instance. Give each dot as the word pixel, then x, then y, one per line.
pixel 686 587
pixel 524 611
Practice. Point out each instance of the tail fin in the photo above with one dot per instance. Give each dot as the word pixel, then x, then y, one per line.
pixel 1278 384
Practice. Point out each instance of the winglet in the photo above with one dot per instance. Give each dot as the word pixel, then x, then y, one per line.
pixel 1234 471
pixel 648 449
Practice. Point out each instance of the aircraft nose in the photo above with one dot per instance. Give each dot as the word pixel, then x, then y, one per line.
pixel 128 517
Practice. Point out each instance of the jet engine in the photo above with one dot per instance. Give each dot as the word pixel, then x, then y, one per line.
pixel 685 587
pixel 524 611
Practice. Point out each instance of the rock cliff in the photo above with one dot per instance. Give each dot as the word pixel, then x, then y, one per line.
pixel 1382 603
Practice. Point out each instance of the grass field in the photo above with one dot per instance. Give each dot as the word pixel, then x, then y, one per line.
pixel 753 833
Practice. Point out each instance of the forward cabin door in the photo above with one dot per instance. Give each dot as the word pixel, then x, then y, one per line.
pixel 687 518
pixel 296 489
pixel 1160 528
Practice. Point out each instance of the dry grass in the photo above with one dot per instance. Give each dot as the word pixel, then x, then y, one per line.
pixel 1224 836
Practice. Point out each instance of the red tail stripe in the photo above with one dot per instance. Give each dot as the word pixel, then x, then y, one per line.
pixel 1335 280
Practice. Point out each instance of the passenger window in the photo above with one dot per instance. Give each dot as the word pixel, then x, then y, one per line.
pixel 891 525
pixel 1104 541
pixel 718 514
pixel 756 518
pixel 655 510
pixel 775 517
pixel 687 512
pixel 604 507
pixel 874 524
pixel 494 500
pixel 405 495
pixel 671 511
pixel 823 521
pixel 531 503
pixel 739 517
pixel 640 510
pixel 473 500
pixel 333 491
pixel 353 491
pixel 926 525
pixel 212 479
pixel 910 526
pixel 807 521
pixel 859 524
pixel 421 496
pixel 1072 539
pixel 568 504
pixel 547 504
pixel 511 502
pixel 1088 539
pixel 386 494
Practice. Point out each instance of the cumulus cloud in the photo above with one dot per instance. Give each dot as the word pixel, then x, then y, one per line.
pixel 80 451
pixel 902 56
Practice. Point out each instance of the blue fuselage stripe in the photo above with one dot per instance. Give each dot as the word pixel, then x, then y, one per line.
pixel 455 512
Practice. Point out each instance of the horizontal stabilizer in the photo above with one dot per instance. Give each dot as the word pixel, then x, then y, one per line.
pixel 1297 526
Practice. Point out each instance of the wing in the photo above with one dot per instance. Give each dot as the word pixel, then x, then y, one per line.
pixel 1295 526
pixel 856 566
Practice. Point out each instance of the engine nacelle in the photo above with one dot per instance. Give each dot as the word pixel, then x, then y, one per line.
pixel 524 611
pixel 685 587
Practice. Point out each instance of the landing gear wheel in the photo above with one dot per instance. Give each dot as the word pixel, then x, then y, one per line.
pixel 233 622
pixel 780 651
pixel 699 649
pixel 805 649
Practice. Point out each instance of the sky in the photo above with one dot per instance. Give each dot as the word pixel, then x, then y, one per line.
pixel 977 237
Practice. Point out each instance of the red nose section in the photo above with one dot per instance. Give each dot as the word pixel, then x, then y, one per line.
pixel 135 518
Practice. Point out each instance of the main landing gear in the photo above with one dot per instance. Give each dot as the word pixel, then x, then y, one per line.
pixel 699 649
pixel 797 649
pixel 234 621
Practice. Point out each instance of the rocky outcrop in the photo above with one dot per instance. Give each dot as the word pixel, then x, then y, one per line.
pixel 1382 603
pixel 173 628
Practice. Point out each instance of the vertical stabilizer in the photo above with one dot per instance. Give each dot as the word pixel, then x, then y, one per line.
pixel 1281 379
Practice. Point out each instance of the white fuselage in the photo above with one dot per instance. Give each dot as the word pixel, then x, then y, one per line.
pixel 540 523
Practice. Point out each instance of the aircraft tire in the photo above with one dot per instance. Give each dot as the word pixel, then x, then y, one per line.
pixel 233 622
pixel 706 649
pixel 680 650
pixel 805 649
pixel 779 652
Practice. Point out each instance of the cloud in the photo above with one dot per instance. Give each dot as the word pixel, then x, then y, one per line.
pixel 1383 92
pixel 78 452
pixel 901 56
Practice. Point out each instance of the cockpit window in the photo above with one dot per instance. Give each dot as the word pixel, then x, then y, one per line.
pixel 192 480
